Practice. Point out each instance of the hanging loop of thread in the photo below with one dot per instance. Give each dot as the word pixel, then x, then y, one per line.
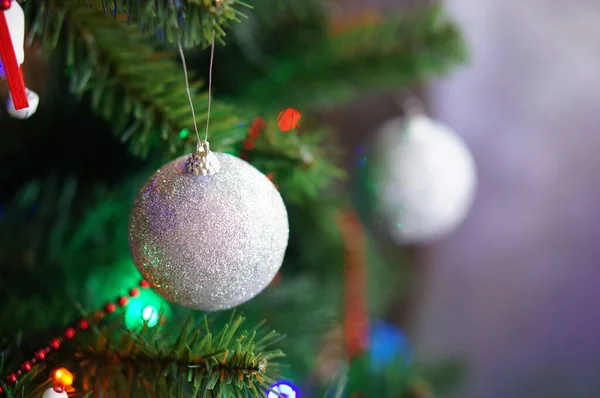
pixel 187 87
pixel 189 93
pixel 202 162
pixel 210 72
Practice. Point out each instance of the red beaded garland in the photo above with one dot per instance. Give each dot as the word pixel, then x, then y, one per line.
pixel 248 144
pixel 55 344
pixel 83 324
pixel 70 333
pixel 5 4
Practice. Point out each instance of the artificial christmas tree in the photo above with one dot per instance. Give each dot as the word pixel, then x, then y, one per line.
pixel 114 107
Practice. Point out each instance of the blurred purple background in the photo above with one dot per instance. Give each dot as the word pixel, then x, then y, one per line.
pixel 516 290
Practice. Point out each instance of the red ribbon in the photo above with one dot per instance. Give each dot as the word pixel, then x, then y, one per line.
pixel 14 75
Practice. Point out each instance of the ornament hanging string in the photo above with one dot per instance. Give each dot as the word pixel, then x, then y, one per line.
pixel 210 72
pixel 187 86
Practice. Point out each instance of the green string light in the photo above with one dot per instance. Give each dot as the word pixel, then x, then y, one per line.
pixel 150 315
pixel 147 309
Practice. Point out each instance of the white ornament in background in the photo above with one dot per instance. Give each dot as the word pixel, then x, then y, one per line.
pixel 15 19
pixel 426 179
pixel 50 393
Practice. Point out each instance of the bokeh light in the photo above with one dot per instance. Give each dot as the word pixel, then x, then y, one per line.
pixel 285 390
pixel 149 308
pixel 63 376
pixel 150 315
pixel 388 343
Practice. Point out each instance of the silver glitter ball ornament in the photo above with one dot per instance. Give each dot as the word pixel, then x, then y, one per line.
pixel 208 242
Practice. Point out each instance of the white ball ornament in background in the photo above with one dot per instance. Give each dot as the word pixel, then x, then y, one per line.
pixel 55 392
pixel 425 179
pixel 15 19
pixel 208 231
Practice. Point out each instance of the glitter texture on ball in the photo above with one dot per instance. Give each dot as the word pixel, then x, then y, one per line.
pixel 208 242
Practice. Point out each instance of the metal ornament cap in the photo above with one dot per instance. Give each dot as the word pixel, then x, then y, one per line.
pixel 203 161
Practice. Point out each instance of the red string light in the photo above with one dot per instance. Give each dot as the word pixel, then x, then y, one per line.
pixel 288 119
pixel 69 333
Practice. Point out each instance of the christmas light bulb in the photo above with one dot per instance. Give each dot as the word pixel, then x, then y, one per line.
pixel 63 376
pixel 150 315
pixel 146 309
pixel 288 119
pixel 285 389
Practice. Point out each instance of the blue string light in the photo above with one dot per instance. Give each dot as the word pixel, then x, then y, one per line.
pixel 285 389
pixel 387 344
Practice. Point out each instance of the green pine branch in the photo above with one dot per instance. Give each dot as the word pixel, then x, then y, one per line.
pixel 142 92
pixel 395 51
pixel 300 162
pixel 190 21
pixel 172 360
